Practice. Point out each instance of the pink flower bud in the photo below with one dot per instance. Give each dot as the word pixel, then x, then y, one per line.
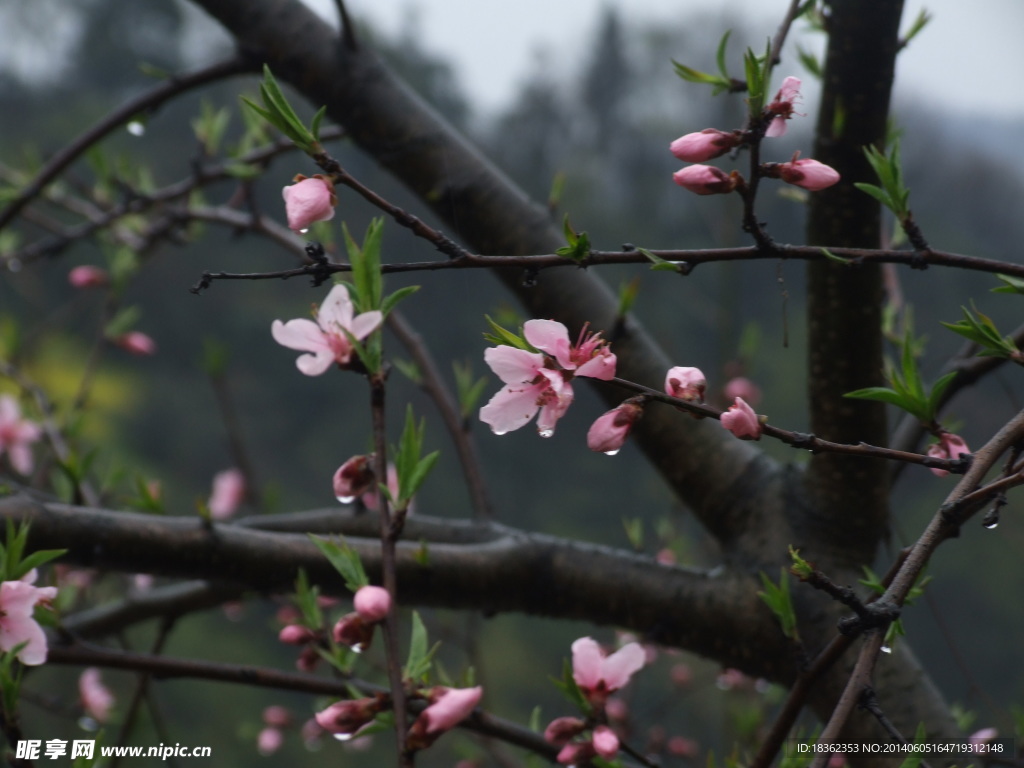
pixel 353 478
pixel 680 746
pixel 705 145
pixel 277 716
pixel 228 494
pixel 705 180
pixel 576 753
pixel 609 432
pixel 88 276
pixel 372 603
pixel 269 741
pixel 741 420
pixel 449 708
pixel 347 717
pixel 808 173
pixel 136 342
pixel 97 700
pixel 950 446
pixel 743 387
pixel 352 630
pixel 308 201
pixel 606 743
pixel 686 384
pixel 296 634
pixel 562 730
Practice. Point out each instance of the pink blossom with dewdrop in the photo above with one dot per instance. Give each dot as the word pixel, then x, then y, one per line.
pixel 326 341
pixel 354 478
pixel 448 708
pixel 609 432
pixel 347 717
pixel 308 201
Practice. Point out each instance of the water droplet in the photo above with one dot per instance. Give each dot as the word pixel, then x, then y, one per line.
pixel 345 499
pixel 136 128
pixel 500 432
pixel 546 432
pixel 886 649
pixel 357 648
pixel 611 453
pixel 86 723
pixel 992 524
pixel 344 736
pixel 304 231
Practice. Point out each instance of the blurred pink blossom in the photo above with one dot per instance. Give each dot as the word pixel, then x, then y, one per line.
pixel 18 600
pixel 228 493
pixel 17 435
pixel 782 106
pixel 599 675
pixel 96 698
pixel 88 276
pixel 136 342
pixel 741 386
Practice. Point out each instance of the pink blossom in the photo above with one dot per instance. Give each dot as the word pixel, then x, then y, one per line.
pixel 576 753
pixel 308 201
pixel 88 276
pixel 705 180
pixel 704 145
pixel 598 675
pixel 142 582
pixel 741 420
pixel 326 341
pixel 741 386
pixel 448 708
pixel 616 709
pixel 354 631
pixel 666 556
pixel 562 730
pixel 17 626
pixel 686 384
pixel 540 381
pixel 680 746
pixel 353 478
pixel 807 173
pixel 606 743
pixel 609 432
pixel 97 700
pixel 983 736
pixel 347 717
pixel 372 603
pixel 782 106
pixel 136 342
pixel 228 493
pixel 950 446
pixel 269 741
pixel 277 716
pixel 732 678
pixel 17 435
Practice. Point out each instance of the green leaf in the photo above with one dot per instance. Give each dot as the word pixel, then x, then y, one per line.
pixel 660 264
pixel 467 389
pixel 123 322
pixel 417 667
pixel 634 527
pixel 412 470
pixel 392 299
pixel 876 192
pixel 1012 285
pixel 314 126
pixel 365 260
pixel 409 369
pixel 778 599
pixel 627 296
pixel 307 602
pixel 923 17
pixel 720 55
pixel 578 248
pixel 882 394
pixel 838 259
pixel 570 690
pixel 503 336
pixel 691 75
pixel 810 62
pixel 345 561
pixel 34 560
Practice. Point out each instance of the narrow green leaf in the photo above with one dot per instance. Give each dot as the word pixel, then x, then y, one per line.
pixel 392 299
pixel 506 337
pixel 418 665
pixel 882 394
pixel 720 55
pixel 659 264
pixel 314 126
pixel 35 560
pixel 876 192
pixel 345 561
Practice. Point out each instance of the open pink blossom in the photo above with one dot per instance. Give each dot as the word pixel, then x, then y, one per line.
pixel 88 276
pixel 609 432
pixel 354 478
pixel 686 383
pixel 741 420
pixel 17 435
pixel 228 494
pixel 97 699
pixel 598 675
pixel 326 341
pixel 950 446
pixel 136 342
pixel 704 145
pixel 18 599
pixel 448 708
pixel 372 603
pixel 539 382
pixel 808 173
pixel 782 106
pixel 308 201
pixel 705 180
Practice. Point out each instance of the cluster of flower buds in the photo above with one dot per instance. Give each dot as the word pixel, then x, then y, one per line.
pixel 597 675
pixel 711 143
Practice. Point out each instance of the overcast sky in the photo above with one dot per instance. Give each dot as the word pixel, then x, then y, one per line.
pixel 971 55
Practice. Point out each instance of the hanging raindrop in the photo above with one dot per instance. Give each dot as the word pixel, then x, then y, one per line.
pixel 136 128
pixel 611 453
pixel 344 736
pixel 346 499
pixel 304 231
pixel 886 649
pixel 546 432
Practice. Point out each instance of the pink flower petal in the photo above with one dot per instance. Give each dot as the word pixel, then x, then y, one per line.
pixel 513 366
